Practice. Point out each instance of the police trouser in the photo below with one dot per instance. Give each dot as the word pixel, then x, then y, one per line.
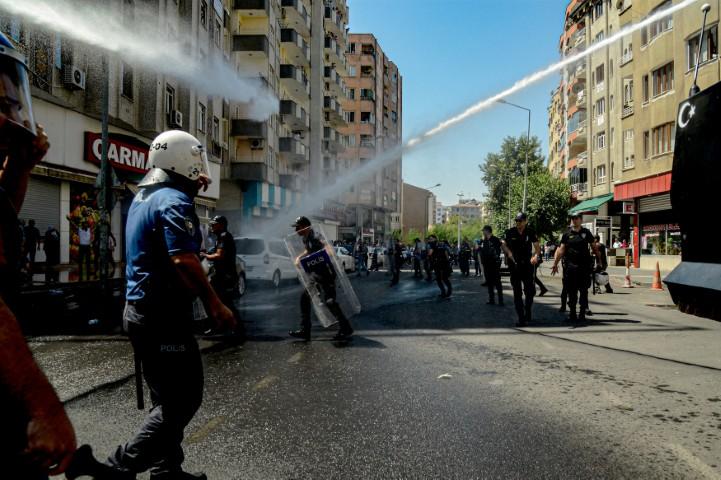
pixel 327 288
pixel 477 264
pixel 464 264
pixel 417 267
pixel 523 285
pixel 173 370
pixel 443 279
pixel 577 280
pixel 493 279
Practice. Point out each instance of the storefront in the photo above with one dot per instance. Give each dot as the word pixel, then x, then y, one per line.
pixel 656 234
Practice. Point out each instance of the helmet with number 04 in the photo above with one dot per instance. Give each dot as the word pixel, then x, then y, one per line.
pixel 15 101
pixel 601 279
pixel 178 152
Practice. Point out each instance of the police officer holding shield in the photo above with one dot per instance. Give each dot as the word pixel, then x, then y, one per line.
pixel 325 279
pixel 164 277
pixel 576 246
pixel 523 253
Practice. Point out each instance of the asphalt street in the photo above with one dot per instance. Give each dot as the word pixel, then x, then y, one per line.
pixel 447 389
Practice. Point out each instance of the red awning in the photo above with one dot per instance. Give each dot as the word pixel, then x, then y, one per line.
pixel 643 187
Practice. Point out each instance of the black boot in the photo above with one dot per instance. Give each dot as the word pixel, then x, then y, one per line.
pixel 303 334
pixel 84 464
pixel 491 301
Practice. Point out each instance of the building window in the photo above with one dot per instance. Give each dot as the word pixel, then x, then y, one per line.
pixel 709 49
pixel 599 36
pixel 204 13
pixel 600 107
pixel 663 139
pixel 351 141
pixel 628 135
pixel 366 117
pixel 600 174
pixel 218 32
pixel 351 117
pixel 351 71
pixel 169 99
pixel 610 140
pixel 628 92
pixel 351 93
pixel 663 25
pixel 127 74
pixel 202 117
pixel 601 141
pixel 216 129
pixel 599 75
pixel 663 79
pixel 646 144
pixel 644 84
pixel 597 11
pixel 629 161
pixel 367 94
pixel 351 48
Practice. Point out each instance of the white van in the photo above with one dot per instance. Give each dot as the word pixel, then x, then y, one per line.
pixel 265 259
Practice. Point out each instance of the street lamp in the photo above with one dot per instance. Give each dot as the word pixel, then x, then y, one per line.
pixel 528 138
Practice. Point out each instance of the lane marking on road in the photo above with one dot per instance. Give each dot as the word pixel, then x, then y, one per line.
pixel 205 430
pixel 694 462
pixel 296 358
pixel 265 382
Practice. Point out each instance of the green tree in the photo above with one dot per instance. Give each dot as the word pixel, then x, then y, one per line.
pixel 509 163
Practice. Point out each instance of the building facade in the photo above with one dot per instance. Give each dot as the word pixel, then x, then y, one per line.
pixel 373 109
pixel 468 209
pixel 419 209
pixel 557 135
pixel 621 104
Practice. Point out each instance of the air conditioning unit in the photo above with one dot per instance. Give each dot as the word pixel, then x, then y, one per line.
pixel 176 119
pixel 74 77
pixel 257 144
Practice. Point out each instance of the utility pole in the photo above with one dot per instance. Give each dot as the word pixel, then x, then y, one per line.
pixel 106 200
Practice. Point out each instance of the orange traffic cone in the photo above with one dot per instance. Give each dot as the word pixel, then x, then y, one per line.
pixel 657 279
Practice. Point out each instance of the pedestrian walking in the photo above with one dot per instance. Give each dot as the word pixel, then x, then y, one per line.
pixel 164 280
pixel 324 276
pixel 361 258
pixel 374 258
pixel 576 246
pixel 51 247
pixel 85 237
pixel 36 437
pixel 32 240
pixel 225 276
pixel 417 258
pixel 440 260
pixel 522 250
pixel 397 254
pixel 603 265
pixel 464 258
pixel 490 255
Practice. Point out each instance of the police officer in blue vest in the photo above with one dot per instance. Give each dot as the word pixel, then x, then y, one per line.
pixel 164 279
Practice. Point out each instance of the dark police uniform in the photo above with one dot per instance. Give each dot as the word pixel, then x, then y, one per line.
pixel 161 223
pixel 522 272
pixel 464 259
pixel 578 268
pixel 325 278
pixel 441 264
pixel 490 255
pixel 225 280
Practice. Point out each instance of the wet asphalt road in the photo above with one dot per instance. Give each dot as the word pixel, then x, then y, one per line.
pixel 516 405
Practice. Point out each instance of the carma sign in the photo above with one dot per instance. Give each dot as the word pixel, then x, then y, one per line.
pixel 125 152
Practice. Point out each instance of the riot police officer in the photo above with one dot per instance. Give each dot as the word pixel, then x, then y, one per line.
pixel 489 251
pixel 464 258
pixel 325 279
pixel 164 277
pixel 523 252
pixel 576 246
pixel 440 261
pixel 225 278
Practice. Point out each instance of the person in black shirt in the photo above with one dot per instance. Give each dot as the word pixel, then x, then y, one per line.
pixel 32 239
pixel 464 258
pixel 440 261
pixel 523 252
pixel 397 252
pixel 325 279
pixel 225 279
pixel 576 246
pixel 489 252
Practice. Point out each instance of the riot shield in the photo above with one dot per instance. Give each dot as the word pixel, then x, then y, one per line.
pixel 321 274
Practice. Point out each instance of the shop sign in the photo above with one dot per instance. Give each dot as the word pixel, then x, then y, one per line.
pixel 628 208
pixel 654 228
pixel 124 152
pixel 603 222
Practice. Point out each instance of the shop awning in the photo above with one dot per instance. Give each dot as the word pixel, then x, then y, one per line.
pixel 592 204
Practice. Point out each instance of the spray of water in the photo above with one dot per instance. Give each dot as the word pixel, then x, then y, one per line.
pixel 146 43
pixel 343 183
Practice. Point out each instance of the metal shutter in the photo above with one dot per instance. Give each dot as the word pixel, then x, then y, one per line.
pixel 42 203
pixel 655 203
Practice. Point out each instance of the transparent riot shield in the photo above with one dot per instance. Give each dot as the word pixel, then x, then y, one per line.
pixel 322 275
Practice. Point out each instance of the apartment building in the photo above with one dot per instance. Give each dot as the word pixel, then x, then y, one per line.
pixel 557 135
pixel 620 155
pixel 374 125
pixel 467 209
pixel 440 213
pixel 418 209
pixel 67 83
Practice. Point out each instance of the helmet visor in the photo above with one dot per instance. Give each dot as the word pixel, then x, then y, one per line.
pixel 15 100
pixel 205 167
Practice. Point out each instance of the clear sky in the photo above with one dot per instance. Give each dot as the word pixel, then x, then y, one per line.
pixel 453 53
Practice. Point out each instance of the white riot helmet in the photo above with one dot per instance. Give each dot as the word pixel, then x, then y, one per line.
pixel 601 279
pixel 179 152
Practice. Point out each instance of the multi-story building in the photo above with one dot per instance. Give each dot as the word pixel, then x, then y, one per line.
pixel 620 155
pixel 557 135
pixel 467 209
pixel 67 83
pixel 418 209
pixel 440 213
pixel 374 116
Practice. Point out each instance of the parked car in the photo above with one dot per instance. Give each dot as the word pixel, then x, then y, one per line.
pixel 266 260
pixel 345 258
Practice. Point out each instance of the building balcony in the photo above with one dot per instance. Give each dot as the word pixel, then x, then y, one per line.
pixel 335 82
pixel 579 190
pixel 252 8
pixel 332 22
pixel 243 128
pixel 582 159
pixel 291 182
pixel 332 141
pixel 334 112
pixel 626 57
pixel 627 110
pixel 335 54
pixel 295 81
pixel 294 116
pixel 296 16
pixel 292 150
pixel 250 171
pixel 251 46
pixel 295 46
